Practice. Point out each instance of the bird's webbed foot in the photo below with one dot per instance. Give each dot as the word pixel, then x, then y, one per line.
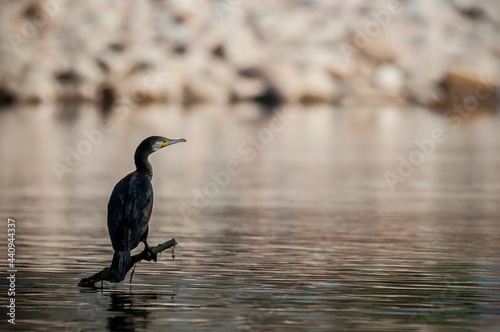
pixel 149 250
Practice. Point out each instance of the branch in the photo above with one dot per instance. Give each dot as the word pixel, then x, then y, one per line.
pixel 104 274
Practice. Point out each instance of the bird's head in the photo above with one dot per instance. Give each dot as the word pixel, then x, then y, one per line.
pixel 155 143
pixel 167 141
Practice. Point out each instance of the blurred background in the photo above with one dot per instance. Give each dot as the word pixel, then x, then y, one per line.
pixel 228 51
pixel 340 170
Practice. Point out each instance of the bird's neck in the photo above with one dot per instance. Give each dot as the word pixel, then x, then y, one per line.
pixel 142 163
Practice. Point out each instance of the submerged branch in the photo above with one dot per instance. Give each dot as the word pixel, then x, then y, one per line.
pixel 104 274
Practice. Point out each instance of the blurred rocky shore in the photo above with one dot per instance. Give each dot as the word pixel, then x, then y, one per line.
pixel 360 52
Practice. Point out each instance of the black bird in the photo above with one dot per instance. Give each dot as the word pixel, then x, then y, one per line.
pixel 130 206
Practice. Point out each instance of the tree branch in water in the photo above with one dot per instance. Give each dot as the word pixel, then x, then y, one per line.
pixel 104 274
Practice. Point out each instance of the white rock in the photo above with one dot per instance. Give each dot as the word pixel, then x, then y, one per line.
pixel 389 78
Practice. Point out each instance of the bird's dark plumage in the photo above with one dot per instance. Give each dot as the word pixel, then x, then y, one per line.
pixel 130 207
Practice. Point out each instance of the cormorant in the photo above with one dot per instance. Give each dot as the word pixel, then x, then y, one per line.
pixel 130 206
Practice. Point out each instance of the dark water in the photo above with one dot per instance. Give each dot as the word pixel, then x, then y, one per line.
pixel 306 235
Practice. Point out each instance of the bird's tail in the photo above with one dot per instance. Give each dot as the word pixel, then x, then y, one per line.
pixel 119 265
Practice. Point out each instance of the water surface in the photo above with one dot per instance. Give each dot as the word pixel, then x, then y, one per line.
pixel 307 236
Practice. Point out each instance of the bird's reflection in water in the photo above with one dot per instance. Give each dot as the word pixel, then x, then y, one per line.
pixel 127 311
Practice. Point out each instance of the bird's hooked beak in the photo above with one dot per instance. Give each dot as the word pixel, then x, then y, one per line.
pixel 172 141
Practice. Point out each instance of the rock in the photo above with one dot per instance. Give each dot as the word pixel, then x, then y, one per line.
pixel 287 80
pixel 242 48
pixel 269 98
pixel 468 94
pixel 247 89
pixel 389 78
pixel 383 50
pixel 270 52
pixel 317 87
pixel 7 96
pixel 106 97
